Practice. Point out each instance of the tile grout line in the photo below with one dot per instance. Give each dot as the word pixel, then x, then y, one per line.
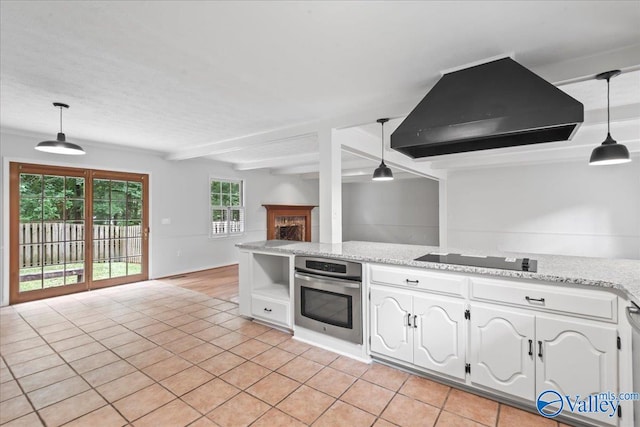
pixel 23 394
pixel 391 400
pixel 91 387
pixel 154 381
pixel 176 354
pixel 444 403
pixel 73 369
pixel 127 304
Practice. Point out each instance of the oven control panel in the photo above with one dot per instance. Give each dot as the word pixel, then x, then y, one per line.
pixel 326 266
pixel 329 267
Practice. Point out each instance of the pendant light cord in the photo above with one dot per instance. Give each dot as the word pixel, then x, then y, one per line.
pixel 608 113
pixel 382 131
pixel 60 119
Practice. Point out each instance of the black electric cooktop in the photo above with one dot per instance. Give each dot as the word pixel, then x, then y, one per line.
pixel 517 264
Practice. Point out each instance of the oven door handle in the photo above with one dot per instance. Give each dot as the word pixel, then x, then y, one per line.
pixel 328 280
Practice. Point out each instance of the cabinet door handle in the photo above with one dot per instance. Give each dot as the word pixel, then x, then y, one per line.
pixel 540 349
pixel 530 347
pixel 529 299
pixel 409 319
pixel 415 322
pixel 412 282
pixel 268 310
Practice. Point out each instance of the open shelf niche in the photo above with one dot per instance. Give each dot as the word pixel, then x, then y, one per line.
pixel 271 276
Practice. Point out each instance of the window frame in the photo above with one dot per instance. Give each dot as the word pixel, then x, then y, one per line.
pixel 228 209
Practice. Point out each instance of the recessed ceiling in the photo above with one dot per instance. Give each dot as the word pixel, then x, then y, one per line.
pixel 175 76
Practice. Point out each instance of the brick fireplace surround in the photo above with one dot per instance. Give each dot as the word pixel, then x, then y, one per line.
pixel 289 222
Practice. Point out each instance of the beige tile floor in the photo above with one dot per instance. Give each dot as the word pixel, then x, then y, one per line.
pixel 153 354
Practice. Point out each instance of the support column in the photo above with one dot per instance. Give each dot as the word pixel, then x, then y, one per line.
pixel 442 213
pixel 330 187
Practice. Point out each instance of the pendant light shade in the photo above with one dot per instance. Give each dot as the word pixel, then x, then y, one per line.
pixel 382 172
pixel 609 152
pixel 60 145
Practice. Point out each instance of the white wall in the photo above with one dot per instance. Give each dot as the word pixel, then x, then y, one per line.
pixel 179 190
pixel 560 208
pixel 399 211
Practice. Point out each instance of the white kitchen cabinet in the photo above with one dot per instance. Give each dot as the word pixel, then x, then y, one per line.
pixel 592 304
pixel 576 358
pixel 418 328
pixel 522 353
pixel 390 315
pixel 439 334
pixel 419 279
pixel 502 350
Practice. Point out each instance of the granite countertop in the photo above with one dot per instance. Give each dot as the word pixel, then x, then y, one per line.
pixel 620 275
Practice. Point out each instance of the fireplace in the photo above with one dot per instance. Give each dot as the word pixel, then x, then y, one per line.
pixel 289 222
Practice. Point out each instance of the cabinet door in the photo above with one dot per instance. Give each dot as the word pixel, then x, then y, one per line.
pixel 390 334
pixel 439 335
pixel 501 359
pixel 244 283
pixel 578 358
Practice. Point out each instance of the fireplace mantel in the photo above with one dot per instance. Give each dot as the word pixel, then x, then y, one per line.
pixel 277 213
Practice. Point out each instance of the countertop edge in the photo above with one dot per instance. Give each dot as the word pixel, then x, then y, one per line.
pixel 617 288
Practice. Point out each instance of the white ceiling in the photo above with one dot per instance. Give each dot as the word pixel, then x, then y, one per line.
pixel 212 77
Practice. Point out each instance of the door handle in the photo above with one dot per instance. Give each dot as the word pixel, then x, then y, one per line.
pixel 415 321
pixel 409 319
pixel 529 299
pixel 145 233
pixel 530 347
pixel 633 310
pixel 412 282
pixel 268 310
pixel 540 349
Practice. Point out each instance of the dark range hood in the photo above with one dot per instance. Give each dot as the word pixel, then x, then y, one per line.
pixel 493 105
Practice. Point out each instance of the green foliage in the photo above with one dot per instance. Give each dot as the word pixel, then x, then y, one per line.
pixel 117 202
pixel 51 198
pixel 59 198
pixel 225 193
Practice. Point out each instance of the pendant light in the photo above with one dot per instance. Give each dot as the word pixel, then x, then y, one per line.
pixel 382 173
pixel 60 145
pixel 609 152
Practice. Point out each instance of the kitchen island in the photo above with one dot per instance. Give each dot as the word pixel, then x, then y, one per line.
pixel 503 333
pixel 617 275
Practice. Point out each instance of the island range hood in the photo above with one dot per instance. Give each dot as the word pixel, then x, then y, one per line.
pixel 493 105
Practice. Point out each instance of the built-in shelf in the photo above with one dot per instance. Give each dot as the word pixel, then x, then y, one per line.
pixel 266 281
pixel 271 275
pixel 276 291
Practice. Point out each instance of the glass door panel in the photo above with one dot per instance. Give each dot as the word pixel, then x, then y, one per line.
pixel 50 228
pixel 118 224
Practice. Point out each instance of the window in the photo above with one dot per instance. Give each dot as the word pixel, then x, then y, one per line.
pixel 227 207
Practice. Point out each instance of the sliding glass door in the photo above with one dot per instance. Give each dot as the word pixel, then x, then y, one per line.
pixel 119 229
pixel 48 251
pixel 62 218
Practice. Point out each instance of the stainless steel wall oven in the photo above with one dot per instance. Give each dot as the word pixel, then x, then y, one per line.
pixel 328 297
